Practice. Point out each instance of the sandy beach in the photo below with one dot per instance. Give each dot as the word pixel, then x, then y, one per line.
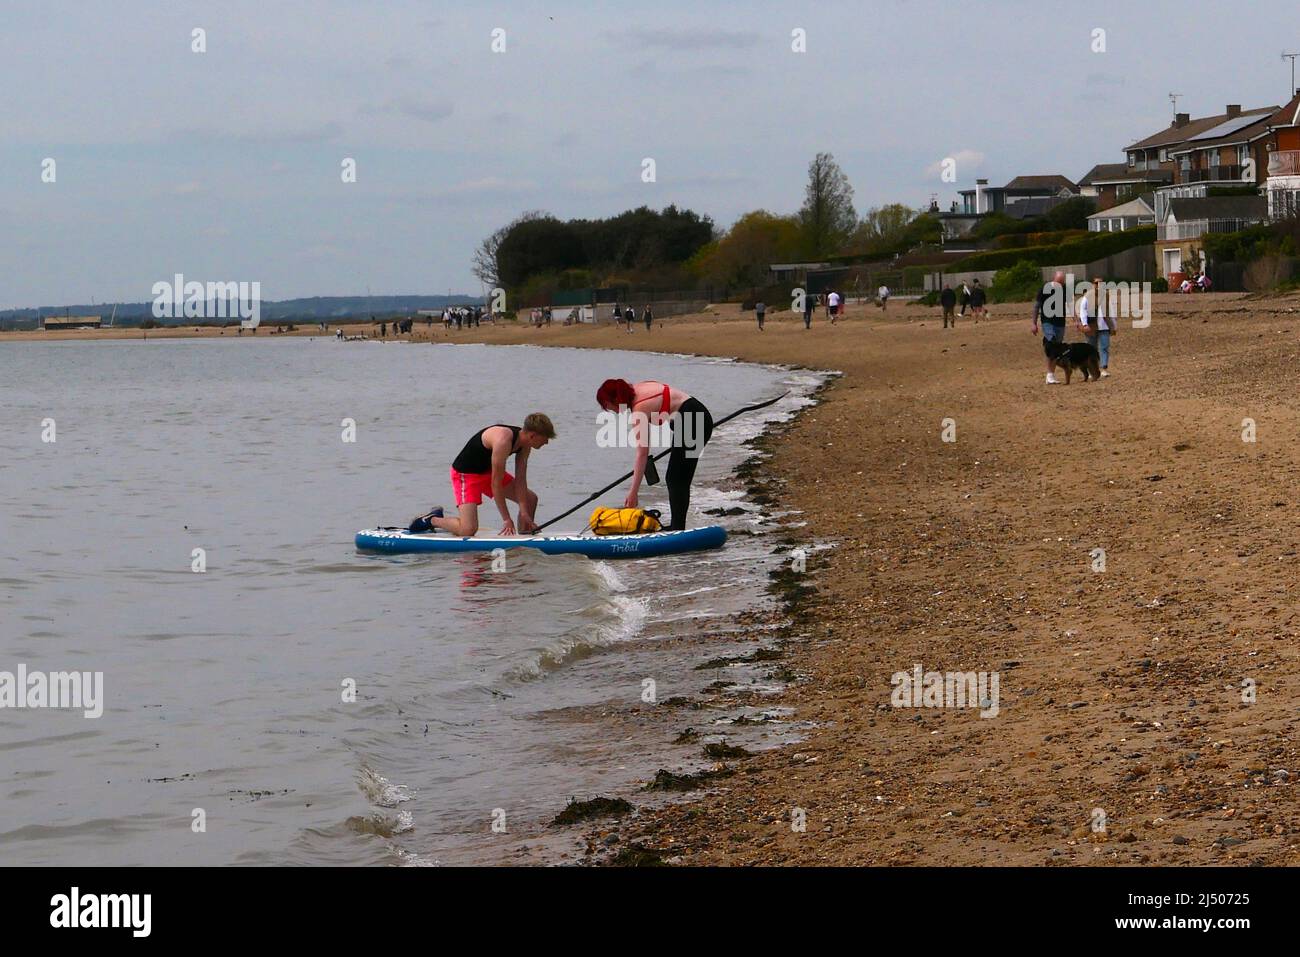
pixel 1156 696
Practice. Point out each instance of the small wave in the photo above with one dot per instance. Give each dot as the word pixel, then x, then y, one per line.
pixel 382 825
pixel 380 791
pixel 620 618
pixel 410 859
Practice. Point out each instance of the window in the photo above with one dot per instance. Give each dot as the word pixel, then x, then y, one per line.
pixel 1164 155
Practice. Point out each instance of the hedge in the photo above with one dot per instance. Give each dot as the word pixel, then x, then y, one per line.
pixel 1096 246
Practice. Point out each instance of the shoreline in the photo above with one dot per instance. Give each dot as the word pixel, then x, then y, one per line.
pixel 975 556
pixel 1120 690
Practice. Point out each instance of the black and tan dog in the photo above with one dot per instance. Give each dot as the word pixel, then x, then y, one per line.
pixel 1074 355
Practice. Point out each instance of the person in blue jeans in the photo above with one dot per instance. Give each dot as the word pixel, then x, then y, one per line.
pixel 1096 323
pixel 1051 307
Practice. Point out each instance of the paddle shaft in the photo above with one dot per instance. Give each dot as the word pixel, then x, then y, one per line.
pixel 619 481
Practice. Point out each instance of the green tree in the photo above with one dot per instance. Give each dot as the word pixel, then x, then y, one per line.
pixel 882 227
pixel 542 245
pixel 827 218
pixel 485 264
pixel 741 256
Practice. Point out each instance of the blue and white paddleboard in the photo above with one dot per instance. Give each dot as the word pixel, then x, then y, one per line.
pixel 604 546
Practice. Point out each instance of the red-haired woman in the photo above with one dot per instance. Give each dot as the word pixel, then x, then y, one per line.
pixel 654 403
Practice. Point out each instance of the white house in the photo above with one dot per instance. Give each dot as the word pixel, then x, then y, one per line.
pixel 1134 213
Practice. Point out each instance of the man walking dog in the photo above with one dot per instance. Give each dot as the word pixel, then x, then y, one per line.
pixel 1051 307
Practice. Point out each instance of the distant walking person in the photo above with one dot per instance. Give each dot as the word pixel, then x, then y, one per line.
pixel 808 303
pixel 760 310
pixel 629 317
pixel 977 298
pixel 883 293
pixel 948 299
pixel 647 317
pixel 964 297
pixel 833 306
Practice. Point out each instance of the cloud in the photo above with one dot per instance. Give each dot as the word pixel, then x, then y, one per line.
pixel 490 184
pixel 667 38
pixel 965 159
pixel 318 133
pixel 306 134
pixel 191 188
pixel 1103 79
pixel 483 187
pixel 322 251
pixel 430 111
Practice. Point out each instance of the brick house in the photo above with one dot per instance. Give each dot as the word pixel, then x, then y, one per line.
pixel 1224 150
pixel 1111 184
pixel 1283 165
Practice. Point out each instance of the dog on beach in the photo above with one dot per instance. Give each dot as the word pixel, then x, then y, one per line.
pixel 1069 356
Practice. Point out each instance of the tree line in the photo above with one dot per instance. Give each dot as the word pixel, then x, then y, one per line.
pixel 538 253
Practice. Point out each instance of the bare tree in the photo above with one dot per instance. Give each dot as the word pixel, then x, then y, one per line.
pixel 827 216
pixel 484 263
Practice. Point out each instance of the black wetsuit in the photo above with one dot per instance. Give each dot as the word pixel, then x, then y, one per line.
pixel 475 458
pixel 681 467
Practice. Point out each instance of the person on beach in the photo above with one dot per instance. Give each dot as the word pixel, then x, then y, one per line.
pixel 1096 324
pixel 977 298
pixel 948 299
pixel 760 311
pixel 629 317
pixel 833 306
pixel 647 317
pixel 1050 306
pixel 964 297
pixel 481 468
pixel 652 404
pixel 808 303
pixel 883 293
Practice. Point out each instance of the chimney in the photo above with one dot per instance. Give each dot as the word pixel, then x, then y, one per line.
pixel 1181 120
pixel 1234 109
pixel 981 202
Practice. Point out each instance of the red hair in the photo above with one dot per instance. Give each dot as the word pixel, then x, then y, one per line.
pixel 614 393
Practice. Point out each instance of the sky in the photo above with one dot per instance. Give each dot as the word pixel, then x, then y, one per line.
pixel 226 165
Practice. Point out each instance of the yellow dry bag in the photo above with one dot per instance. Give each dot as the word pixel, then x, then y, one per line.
pixel 624 521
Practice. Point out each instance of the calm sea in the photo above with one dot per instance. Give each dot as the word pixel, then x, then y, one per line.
pixel 478 693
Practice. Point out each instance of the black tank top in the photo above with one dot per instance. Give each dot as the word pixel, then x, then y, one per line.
pixel 475 458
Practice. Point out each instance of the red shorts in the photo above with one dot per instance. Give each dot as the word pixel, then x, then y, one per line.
pixel 470 487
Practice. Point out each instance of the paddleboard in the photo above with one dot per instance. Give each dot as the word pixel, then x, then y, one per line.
pixel 399 541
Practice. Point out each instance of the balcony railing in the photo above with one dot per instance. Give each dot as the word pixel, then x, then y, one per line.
pixel 1284 163
pixel 1211 174
pixel 1196 228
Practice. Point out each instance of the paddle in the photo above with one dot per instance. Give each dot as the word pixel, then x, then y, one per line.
pixel 595 495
